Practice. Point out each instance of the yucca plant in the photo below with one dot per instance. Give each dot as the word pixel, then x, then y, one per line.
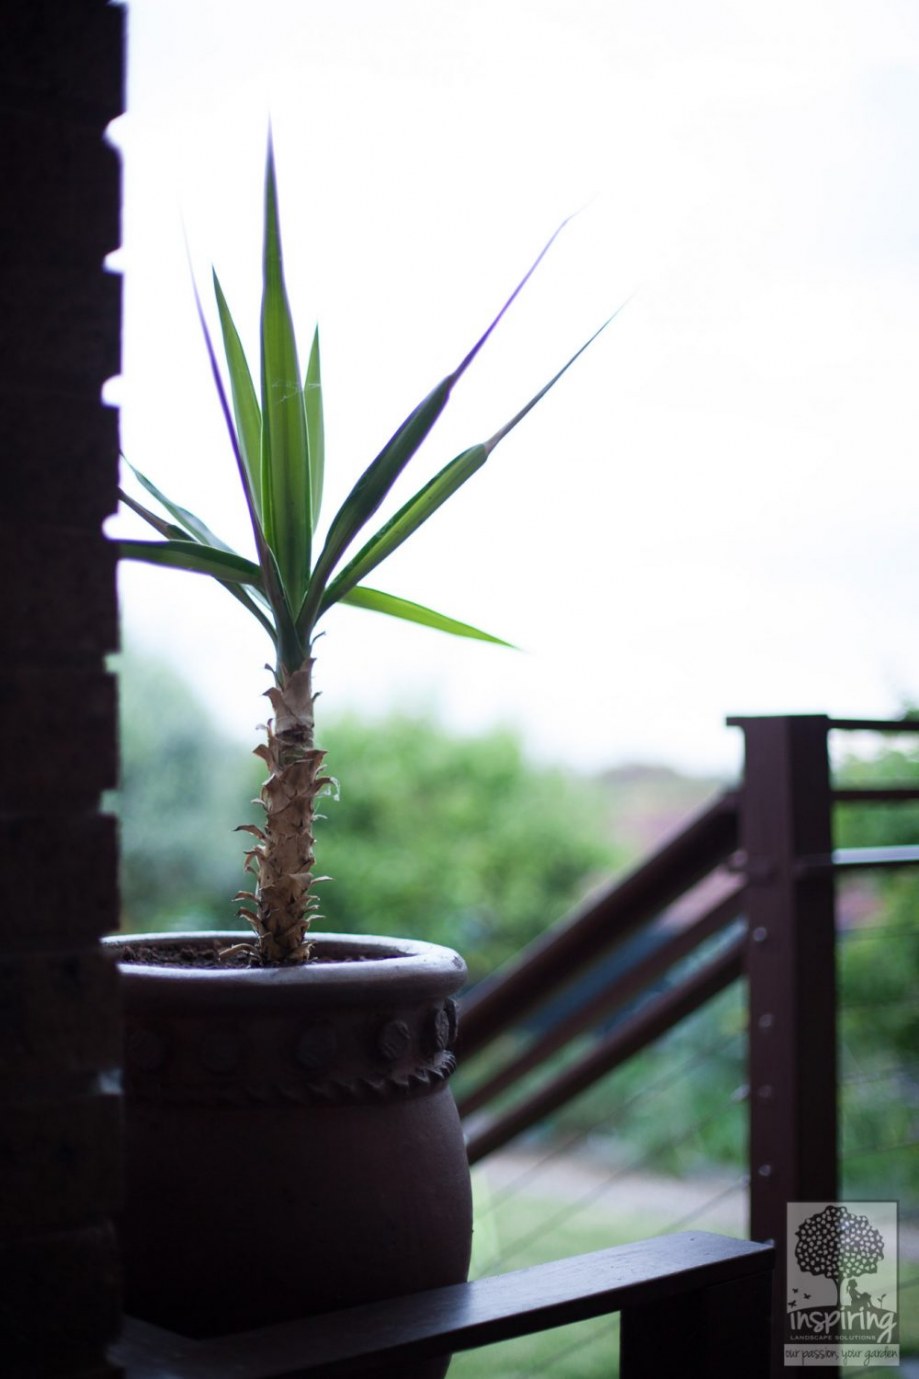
pixel 278 444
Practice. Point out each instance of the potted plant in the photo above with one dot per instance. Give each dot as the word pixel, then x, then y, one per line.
pixel 292 1144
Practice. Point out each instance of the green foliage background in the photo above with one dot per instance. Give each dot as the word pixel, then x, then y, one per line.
pixel 878 973
pixel 183 791
pixel 457 840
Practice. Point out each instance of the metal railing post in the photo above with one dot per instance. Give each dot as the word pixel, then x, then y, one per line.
pixel 785 817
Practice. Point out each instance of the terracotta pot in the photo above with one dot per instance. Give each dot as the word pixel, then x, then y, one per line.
pixel 292 1144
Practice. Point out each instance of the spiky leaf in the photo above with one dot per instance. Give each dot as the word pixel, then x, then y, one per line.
pixel 286 486
pixel 246 410
pixel 406 521
pixel 378 602
pixel 195 558
pixel 377 480
pixel 315 425
pixel 187 521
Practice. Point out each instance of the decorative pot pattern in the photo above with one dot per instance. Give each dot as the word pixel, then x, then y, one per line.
pixel 190 1061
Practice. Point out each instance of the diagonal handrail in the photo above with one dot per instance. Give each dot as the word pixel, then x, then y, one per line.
pixel 614 995
pixel 654 1019
pixel 556 959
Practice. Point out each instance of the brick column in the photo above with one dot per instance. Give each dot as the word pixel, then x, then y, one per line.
pixel 61 74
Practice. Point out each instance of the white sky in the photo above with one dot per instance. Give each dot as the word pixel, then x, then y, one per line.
pixel 715 512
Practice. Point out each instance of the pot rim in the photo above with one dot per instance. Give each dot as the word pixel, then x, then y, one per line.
pixel 365 966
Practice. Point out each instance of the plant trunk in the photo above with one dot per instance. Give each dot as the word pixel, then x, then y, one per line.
pixel 283 858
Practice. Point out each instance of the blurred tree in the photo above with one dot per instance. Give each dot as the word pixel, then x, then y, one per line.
pixel 879 958
pixel 878 972
pixel 184 788
pixel 458 840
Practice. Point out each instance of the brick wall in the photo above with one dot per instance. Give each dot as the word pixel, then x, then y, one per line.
pixel 61 75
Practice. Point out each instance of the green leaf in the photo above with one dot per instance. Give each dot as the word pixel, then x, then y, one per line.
pixel 167 529
pixel 378 602
pixel 251 504
pixel 376 481
pixel 367 495
pixel 289 642
pixel 315 425
pixel 406 521
pixel 286 485
pixel 528 407
pixel 236 591
pixel 246 410
pixel 196 558
pixel 194 527
pixel 433 495
pixel 189 524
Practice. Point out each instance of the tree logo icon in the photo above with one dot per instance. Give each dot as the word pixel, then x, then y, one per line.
pixel 841 1304
pixel 836 1245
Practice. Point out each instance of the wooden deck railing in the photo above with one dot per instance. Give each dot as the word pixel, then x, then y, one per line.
pixel 768 850
pixel 696 1305
pixel 555 962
